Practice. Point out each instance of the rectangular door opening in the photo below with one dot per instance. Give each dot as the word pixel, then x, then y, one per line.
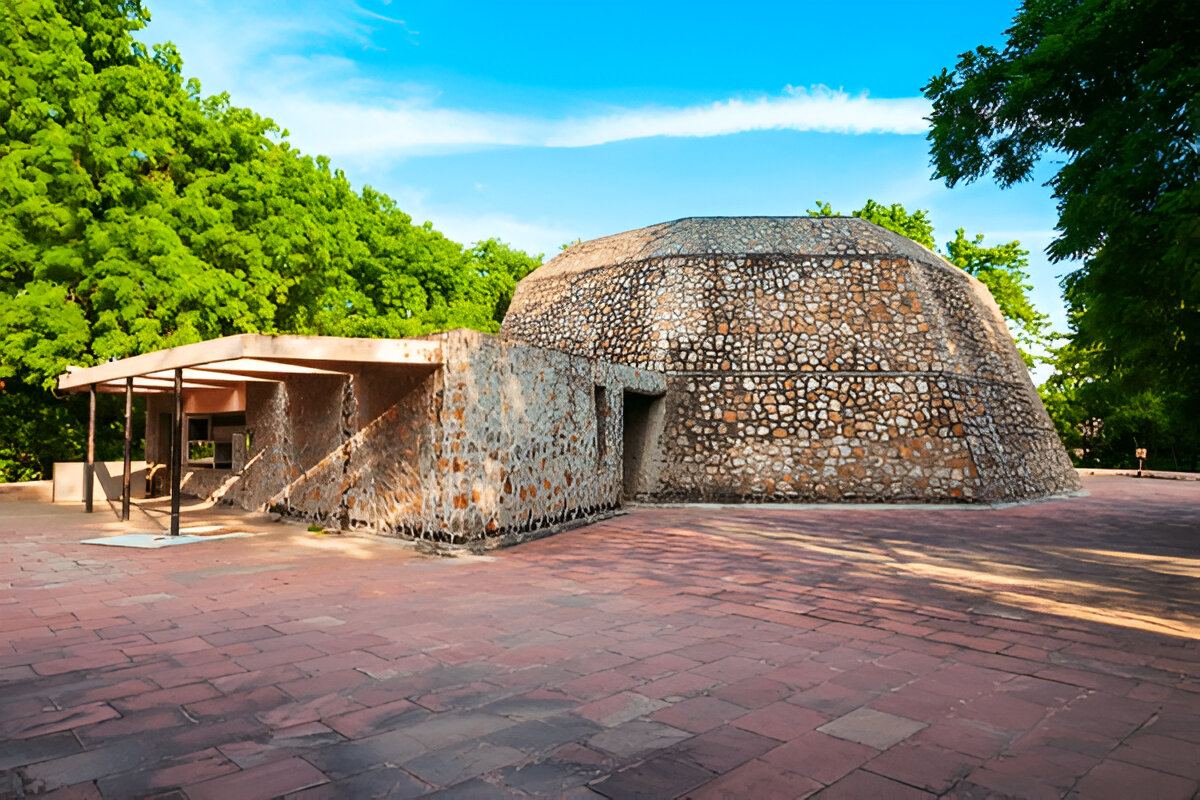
pixel 642 463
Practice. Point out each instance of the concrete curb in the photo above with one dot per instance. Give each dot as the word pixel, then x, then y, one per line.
pixel 27 491
pixel 1146 473
pixel 957 506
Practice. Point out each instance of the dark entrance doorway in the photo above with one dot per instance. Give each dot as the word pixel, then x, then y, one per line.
pixel 641 425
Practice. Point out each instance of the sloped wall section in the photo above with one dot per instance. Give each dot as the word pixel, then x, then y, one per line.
pixel 806 359
pixel 503 439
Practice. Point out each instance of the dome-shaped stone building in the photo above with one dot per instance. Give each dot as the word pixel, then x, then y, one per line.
pixel 805 359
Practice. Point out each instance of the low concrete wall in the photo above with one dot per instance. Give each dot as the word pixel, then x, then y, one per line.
pixel 27 491
pixel 68 480
pixel 1146 473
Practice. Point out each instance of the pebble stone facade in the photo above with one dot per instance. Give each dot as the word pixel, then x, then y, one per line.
pixel 805 359
pixel 498 441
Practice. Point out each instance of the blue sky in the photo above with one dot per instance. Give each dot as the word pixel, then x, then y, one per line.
pixel 541 122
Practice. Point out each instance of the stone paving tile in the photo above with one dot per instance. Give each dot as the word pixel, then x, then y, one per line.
pixel 721 749
pixel 550 777
pixel 619 708
pixel 288 741
pixel 128 755
pixel 637 737
pixel 755 779
pixel 831 699
pixel 926 767
pixel 873 728
pixel 350 758
pixel 88 791
pixel 386 781
pixel 699 714
pixel 782 721
pixel 1114 779
pixel 1048 650
pixel 259 783
pixel 823 758
pixel 970 738
pixel 660 776
pixel 29 725
pixel 538 735
pixel 861 784
pixel 16 753
pixel 453 765
pixel 168 774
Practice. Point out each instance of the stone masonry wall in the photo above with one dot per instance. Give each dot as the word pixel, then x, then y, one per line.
pixel 502 439
pixel 380 477
pixel 519 440
pixel 867 370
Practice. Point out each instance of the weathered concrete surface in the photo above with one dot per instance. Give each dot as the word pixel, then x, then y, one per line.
pixel 1146 473
pixel 740 652
pixel 225 359
pixel 523 444
pixel 378 477
pixel 503 439
pixel 807 359
pixel 27 491
pixel 107 484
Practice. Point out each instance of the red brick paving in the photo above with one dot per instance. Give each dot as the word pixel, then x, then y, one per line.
pixel 1050 650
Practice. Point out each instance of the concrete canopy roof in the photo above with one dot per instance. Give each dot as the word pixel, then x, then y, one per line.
pixel 249 357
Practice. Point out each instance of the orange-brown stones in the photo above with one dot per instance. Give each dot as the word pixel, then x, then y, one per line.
pixel 804 347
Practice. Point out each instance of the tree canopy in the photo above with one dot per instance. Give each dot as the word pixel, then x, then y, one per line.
pixel 1002 268
pixel 1110 90
pixel 137 213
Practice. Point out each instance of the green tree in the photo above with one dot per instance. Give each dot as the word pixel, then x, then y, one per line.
pixel 1110 89
pixel 136 214
pixel 1002 268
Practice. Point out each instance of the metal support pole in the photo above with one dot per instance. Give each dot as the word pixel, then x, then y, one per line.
pixel 89 469
pixel 176 452
pixel 126 481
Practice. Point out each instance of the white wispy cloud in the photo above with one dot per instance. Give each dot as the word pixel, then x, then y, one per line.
pixel 384 129
pixel 818 108
pixel 267 62
pixel 294 61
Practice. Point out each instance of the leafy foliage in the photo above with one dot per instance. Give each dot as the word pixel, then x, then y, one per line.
pixel 1001 268
pixel 136 214
pixel 915 226
pixel 1112 88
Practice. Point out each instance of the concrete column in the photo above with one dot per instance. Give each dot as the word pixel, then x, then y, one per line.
pixel 89 469
pixel 176 452
pixel 126 479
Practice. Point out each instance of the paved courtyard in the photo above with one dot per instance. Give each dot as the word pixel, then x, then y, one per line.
pixel 1049 650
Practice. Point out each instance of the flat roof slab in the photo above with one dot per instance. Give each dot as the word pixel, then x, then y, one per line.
pixel 257 354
